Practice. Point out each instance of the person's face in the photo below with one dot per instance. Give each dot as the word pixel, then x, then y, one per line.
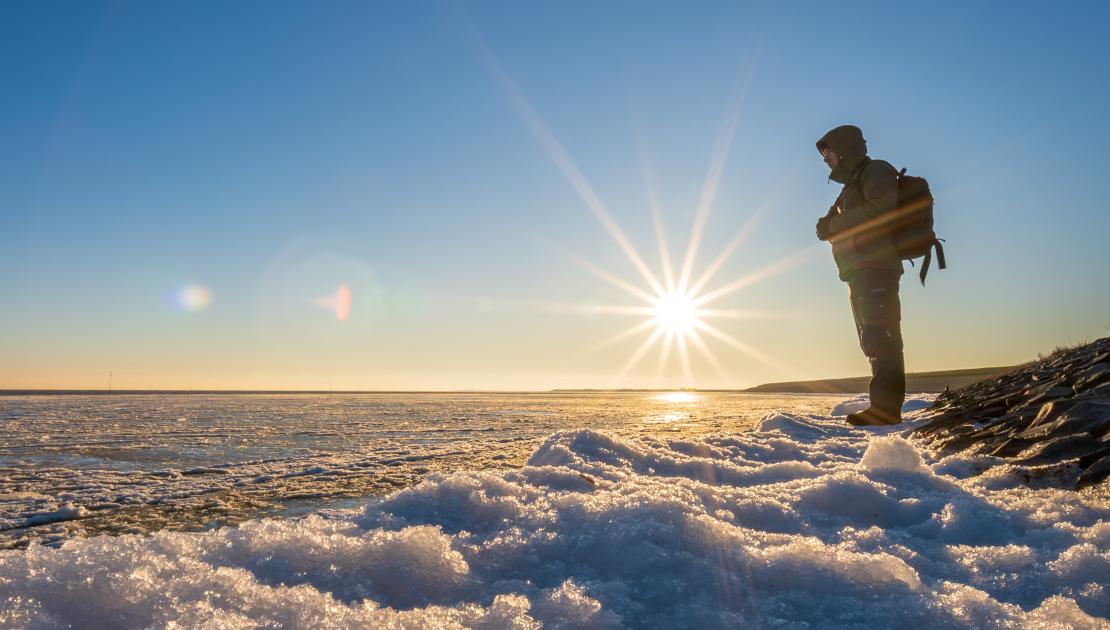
pixel 830 157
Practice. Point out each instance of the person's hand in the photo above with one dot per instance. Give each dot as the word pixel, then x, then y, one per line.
pixel 823 228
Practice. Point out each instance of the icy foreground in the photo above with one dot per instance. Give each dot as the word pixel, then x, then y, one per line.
pixel 803 522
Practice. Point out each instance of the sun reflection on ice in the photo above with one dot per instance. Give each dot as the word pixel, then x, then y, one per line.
pixel 678 397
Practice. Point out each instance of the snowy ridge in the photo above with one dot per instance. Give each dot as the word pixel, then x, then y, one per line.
pixel 803 522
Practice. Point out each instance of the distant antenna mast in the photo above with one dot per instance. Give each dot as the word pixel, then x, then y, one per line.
pixel 109 380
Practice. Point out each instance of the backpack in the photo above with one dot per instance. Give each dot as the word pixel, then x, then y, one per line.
pixel 911 222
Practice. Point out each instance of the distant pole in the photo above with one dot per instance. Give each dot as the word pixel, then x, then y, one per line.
pixel 109 380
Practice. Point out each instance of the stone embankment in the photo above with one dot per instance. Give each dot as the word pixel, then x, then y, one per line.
pixel 1053 414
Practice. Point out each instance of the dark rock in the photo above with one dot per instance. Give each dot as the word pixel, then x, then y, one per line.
pixel 1069 424
pixel 997 402
pixel 1099 391
pixel 1097 368
pixel 1090 458
pixel 1054 413
pixel 1094 474
pixel 1049 411
pixel 1019 420
pixel 958 443
pixel 1092 377
pixel 1009 425
pixel 1010 447
pixel 942 423
pixel 1067 447
pixel 1092 414
pixel 1049 393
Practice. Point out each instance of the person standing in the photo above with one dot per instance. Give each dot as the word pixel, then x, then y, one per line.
pixel 867 260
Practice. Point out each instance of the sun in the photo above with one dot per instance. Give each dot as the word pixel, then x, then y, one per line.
pixel 677 305
pixel 675 313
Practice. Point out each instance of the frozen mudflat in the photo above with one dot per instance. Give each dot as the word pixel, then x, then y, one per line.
pixel 801 522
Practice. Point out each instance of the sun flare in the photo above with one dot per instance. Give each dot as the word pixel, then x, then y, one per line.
pixel 675 313
pixel 675 302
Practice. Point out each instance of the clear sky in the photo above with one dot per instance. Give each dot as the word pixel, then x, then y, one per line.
pixel 411 195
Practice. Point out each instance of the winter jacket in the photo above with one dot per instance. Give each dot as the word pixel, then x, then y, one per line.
pixel 870 192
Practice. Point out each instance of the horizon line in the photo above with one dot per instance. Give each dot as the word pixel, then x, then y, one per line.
pixel 105 392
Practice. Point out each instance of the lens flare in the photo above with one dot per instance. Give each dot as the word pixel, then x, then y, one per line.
pixel 193 297
pixel 339 303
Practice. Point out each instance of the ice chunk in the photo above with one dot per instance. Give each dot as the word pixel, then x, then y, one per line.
pixel 66 512
pixel 893 452
pixel 852 405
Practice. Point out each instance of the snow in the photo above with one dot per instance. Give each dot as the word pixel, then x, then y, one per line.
pixel 803 522
pixel 863 401
pixel 852 405
pixel 66 512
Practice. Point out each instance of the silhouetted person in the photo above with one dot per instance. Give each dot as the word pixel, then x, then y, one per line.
pixel 868 261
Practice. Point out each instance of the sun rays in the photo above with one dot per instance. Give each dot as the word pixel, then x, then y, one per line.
pixel 673 303
pixel 676 318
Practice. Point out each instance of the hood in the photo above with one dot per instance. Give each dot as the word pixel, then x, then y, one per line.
pixel 848 144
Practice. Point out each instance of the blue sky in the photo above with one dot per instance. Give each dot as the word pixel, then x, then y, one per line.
pixel 271 152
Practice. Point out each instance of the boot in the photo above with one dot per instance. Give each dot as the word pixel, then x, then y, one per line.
pixel 873 417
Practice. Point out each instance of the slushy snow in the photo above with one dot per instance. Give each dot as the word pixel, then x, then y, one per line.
pixel 804 522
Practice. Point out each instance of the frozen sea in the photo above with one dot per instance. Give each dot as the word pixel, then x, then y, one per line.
pixel 524 510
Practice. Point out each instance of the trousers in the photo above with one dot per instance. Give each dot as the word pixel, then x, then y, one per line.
pixel 878 315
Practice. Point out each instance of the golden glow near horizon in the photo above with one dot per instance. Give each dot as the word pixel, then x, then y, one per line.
pixel 678 397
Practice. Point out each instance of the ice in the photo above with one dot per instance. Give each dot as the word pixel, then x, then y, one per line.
pixel 802 522
pixel 893 453
pixel 863 401
pixel 917 404
pixel 143 463
pixel 852 405
pixel 66 512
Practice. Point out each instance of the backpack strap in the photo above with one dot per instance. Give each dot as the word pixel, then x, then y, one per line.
pixel 925 264
pixel 936 244
pixel 858 179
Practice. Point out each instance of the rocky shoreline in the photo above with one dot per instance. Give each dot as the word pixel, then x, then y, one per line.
pixel 1052 416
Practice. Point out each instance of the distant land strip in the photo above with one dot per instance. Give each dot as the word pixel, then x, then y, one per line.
pixel 916 382
pixel 132 392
